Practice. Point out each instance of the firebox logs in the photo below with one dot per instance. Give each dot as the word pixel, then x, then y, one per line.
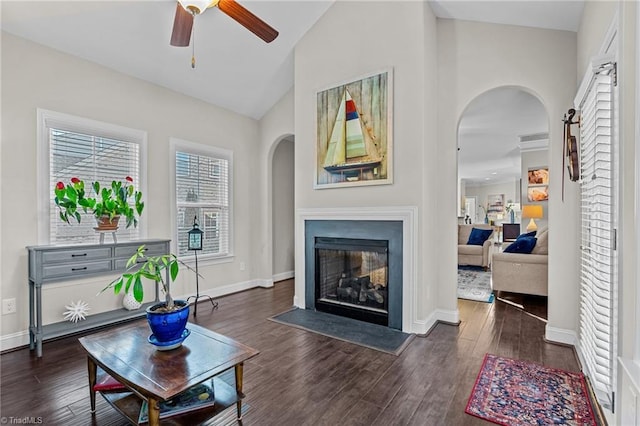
pixel 360 290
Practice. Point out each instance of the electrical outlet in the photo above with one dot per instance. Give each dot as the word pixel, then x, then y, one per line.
pixel 8 306
pixel 242 266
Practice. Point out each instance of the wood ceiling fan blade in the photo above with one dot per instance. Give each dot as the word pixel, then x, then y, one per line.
pixel 182 25
pixel 248 20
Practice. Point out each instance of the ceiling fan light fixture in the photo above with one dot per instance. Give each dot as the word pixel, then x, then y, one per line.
pixel 196 7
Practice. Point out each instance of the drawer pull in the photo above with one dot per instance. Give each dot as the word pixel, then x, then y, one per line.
pixel 78 255
pixel 84 268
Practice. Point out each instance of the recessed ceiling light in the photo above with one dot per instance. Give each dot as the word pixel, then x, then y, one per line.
pixel 487 178
pixel 494 173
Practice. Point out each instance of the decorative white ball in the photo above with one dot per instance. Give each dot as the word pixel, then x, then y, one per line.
pixel 130 303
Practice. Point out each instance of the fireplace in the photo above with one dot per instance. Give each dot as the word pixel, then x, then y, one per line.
pixel 351 278
pixel 355 269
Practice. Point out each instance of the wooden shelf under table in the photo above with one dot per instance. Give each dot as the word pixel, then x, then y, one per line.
pixel 128 404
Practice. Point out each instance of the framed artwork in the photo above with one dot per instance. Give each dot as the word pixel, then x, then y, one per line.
pixel 495 204
pixel 538 184
pixel 354 133
pixel 538 176
pixel 538 193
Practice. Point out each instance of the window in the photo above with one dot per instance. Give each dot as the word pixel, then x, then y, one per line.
pixel 598 266
pixel 202 191
pixel 89 150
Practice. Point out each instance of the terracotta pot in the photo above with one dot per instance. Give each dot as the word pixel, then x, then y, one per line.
pixel 107 224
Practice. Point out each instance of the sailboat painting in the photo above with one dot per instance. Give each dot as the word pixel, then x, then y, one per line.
pixel 354 133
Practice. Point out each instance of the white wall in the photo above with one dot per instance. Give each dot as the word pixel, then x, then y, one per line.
pixel 389 34
pixel 34 76
pixel 276 125
pixel 596 17
pixel 283 209
pixel 474 58
pixel 628 389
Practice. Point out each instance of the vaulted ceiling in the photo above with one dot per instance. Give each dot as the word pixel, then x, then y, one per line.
pixel 234 68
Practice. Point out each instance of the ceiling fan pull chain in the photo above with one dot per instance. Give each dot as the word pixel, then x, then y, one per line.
pixel 193 44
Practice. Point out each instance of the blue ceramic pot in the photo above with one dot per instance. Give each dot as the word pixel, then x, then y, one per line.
pixel 168 326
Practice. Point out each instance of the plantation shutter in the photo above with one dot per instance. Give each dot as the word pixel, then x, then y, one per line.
pixel 89 158
pixel 202 192
pixel 597 217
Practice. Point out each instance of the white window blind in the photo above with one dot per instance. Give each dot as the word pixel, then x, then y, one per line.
pixel 202 192
pixel 597 210
pixel 89 158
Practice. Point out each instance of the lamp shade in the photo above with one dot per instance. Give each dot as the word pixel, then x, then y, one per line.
pixel 532 211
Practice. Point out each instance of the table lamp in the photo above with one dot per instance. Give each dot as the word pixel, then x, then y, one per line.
pixel 532 211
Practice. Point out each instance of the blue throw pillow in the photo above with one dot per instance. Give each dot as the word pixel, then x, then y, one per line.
pixel 528 234
pixel 522 245
pixel 478 236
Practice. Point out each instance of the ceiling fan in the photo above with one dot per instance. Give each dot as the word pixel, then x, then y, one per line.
pixel 186 10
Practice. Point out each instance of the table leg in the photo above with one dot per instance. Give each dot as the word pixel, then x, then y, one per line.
pixel 154 412
pixel 239 369
pixel 32 322
pixel 92 367
pixel 39 320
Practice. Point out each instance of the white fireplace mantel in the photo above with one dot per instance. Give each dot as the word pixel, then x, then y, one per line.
pixel 408 215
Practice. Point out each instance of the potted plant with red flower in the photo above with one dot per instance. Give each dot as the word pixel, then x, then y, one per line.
pixel 109 204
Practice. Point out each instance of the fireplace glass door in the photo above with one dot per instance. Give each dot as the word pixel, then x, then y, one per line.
pixel 352 278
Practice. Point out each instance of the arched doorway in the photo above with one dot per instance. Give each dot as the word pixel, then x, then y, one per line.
pixel 283 210
pixel 502 140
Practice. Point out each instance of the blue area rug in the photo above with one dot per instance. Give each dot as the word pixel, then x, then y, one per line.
pixel 474 284
pixel 361 333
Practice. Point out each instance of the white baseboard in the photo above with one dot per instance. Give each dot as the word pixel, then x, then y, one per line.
pixel 439 315
pixel 21 338
pixel 233 288
pixel 284 276
pixel 560 335
pixel 15 340
pixel 264 283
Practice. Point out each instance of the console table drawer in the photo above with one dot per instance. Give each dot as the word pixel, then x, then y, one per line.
pixel 76 255
pixel 77 269
pixel 153 249
pixel 121 264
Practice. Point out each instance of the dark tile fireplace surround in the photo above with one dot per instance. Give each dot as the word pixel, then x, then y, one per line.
pixel 354 269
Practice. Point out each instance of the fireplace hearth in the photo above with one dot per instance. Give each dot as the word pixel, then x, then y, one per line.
pixel 352 278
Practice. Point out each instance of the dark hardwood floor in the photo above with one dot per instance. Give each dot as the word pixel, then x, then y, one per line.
pixel 301 378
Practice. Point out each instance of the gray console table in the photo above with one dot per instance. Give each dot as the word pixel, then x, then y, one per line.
pixel 49 264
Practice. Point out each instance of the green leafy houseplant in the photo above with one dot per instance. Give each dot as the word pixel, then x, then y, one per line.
pixel 154 268
pixel 109 201
pixel 167 320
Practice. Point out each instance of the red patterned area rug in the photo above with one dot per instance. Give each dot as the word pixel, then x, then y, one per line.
pixel 514 392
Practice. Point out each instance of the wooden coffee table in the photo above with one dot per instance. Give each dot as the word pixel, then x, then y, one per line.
pixel 156 376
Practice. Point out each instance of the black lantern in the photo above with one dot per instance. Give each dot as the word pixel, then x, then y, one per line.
pixel 195 236
pixel 195 243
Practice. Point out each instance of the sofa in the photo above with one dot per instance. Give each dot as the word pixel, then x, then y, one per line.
pixel 475 255
pixel 521 272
